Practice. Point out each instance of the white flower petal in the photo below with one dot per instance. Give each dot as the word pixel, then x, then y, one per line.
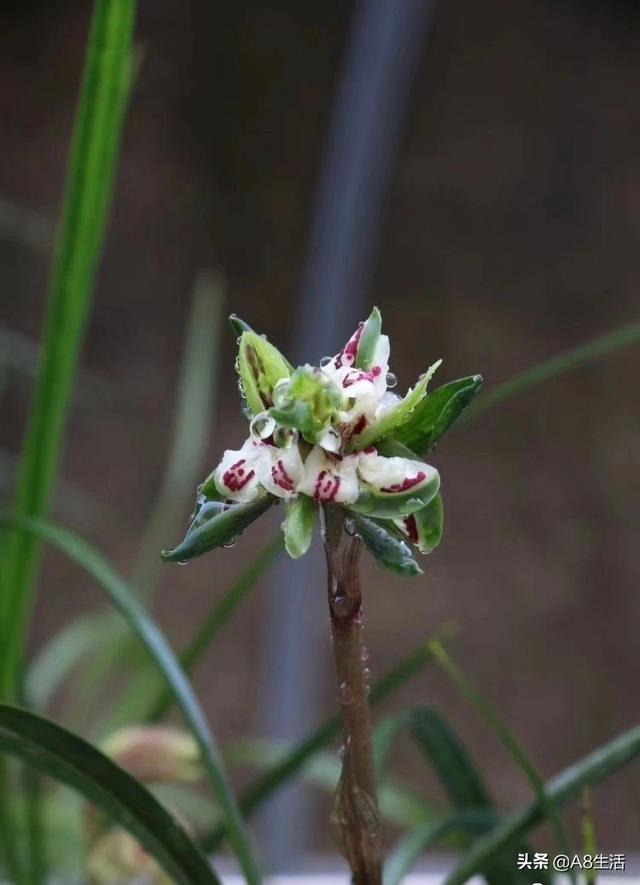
pixel 393 475
pixel 238 474
pixel 330 478
pixel 284 472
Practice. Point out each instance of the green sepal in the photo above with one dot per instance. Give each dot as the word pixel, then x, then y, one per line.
pixel 298 525
pixel 307 402
pixel 391 423
pixel 260 366
pixel 435 414
pixel 368 341
pixel 238 325
pixel 394 505
pixel 424 527
pixel 218 531
pixel 385 546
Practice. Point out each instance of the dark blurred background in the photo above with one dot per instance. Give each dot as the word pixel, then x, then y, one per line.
pixel 510 231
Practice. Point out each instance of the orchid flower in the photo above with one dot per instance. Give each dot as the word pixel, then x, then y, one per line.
pixel 333 434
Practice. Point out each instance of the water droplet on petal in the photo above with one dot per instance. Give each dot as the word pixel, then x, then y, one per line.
pixel 285 437
pixel 391 380
pixel 262 426
pixel 281 393
pixel 325 361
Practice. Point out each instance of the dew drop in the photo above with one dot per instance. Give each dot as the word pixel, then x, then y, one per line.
pixel 345 695
pixel 325 361
pixel 364 655
pixel 285 437
pixel 239 339
pixel 281 393
pixel 342 752
pixel 391 380
pixel 366 673
pixel 262 426
pixel 350 528
pixel 183 562
pixel 340 605
pixel 231 543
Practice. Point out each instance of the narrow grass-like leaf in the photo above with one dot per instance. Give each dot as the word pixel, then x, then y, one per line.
pixel 66 757
pixel 215 621
pixel 192 423
pixel 518 753
pixel 399 805
pixel 94 151
pixel 57 658
pixel 560 790
pixel 120 594
pixel 444 750
pixel 567 361
pixel 409 849
pixel 289 766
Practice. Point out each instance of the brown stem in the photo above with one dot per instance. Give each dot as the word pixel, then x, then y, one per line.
pixel 356 806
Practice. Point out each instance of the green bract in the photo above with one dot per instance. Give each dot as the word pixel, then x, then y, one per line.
pixel 332 435
pixel 260 367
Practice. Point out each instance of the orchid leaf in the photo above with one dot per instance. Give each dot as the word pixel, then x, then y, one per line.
pixel 436 413
pixel 221 529
pixel 298 526
pixel 260 367
pixel 368 341
pixel 392 422
pixel 385 547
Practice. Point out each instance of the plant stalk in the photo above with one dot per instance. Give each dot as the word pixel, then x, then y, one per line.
pixel 356 814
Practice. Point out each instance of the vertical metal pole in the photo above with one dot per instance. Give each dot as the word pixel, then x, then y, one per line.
pixel 382 54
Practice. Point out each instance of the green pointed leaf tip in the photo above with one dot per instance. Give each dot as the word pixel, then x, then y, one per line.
pixel 387 549
pixel 435 414
pixel 260 366
pixel 298 526
pixel 306 402
pixel 218 531
pixel 368 341
pixel 238 325
pixel 387 426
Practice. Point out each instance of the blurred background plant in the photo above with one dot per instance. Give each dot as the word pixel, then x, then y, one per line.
pixel 516 173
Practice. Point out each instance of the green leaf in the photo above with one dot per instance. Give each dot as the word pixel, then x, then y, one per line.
pixel 444 750
pixel 238 325
pixel 424 527
pixel 391 425
pixel 518 753
pixel 368 341
pixel 260 367
pixel 93 158
pixel 394 505
pixel 215 621
pixel 559 791
pixel 436 413
pixel 387 549
pixel 409 849
pixel 165 659
pixel 58 753
pixel 218 531
pixel 298 526
pixel 289 766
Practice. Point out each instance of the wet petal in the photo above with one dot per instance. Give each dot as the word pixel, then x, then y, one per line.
pixel 330 478
pixel 283 472
pixel 394 487
pixel 238 474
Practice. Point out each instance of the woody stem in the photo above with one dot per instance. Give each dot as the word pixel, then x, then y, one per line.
pixel 356 805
